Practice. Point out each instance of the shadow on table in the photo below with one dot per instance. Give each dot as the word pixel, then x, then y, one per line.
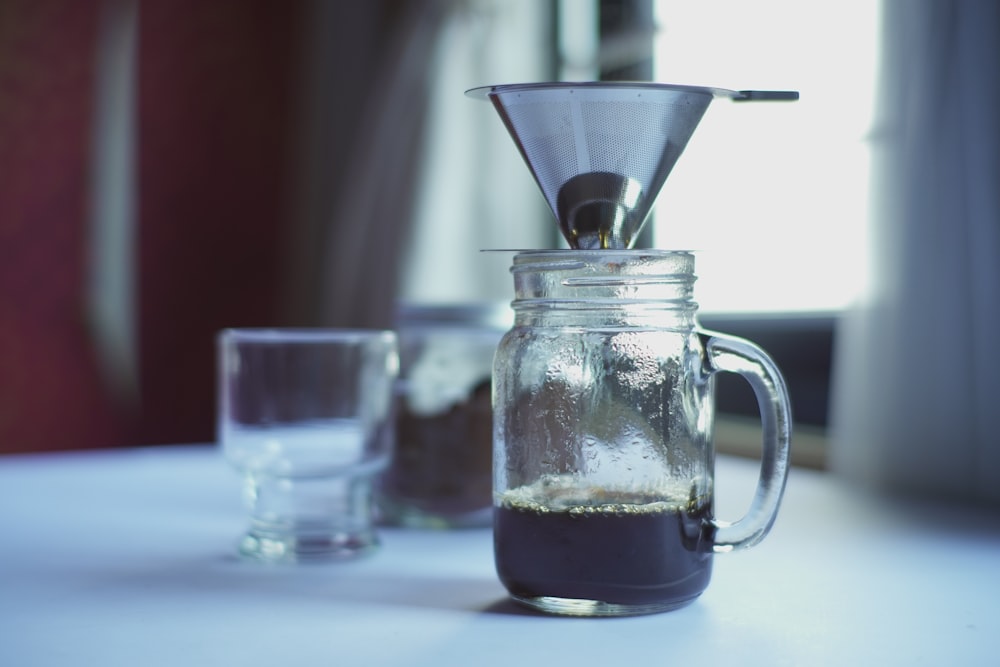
pixel 507 607
pixel 228 579
pixel 233 580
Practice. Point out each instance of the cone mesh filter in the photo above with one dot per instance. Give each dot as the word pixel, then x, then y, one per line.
pixel 600 152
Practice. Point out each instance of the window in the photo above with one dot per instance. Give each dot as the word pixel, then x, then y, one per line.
pixel 773 195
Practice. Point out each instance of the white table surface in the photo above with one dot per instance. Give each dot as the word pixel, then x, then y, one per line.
pixel 126 558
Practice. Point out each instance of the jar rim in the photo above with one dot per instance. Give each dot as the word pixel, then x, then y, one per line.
pixel 305 335
pixel 604 253
pixel 489 314
pixel 658 265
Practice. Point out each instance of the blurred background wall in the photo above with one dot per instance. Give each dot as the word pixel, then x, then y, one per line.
pixel 169 168
pixel 172 167
pixel 116 273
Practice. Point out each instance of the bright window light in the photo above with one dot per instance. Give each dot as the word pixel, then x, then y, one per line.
pixel 772 195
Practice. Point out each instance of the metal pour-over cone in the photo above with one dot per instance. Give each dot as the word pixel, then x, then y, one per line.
pixel 601 151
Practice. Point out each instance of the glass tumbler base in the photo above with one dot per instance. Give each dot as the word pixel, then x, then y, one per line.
pixel 306 547
pixel 309 519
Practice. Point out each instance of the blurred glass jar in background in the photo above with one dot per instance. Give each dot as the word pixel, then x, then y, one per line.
pixel 441 473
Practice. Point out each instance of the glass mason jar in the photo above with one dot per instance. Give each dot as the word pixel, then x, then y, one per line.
pixel 603 415
pixel 441 472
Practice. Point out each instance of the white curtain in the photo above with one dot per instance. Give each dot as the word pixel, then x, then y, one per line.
pixel 366 73
pixel 474 191
pixel 111 263
pixel 917 376
pixel 401 179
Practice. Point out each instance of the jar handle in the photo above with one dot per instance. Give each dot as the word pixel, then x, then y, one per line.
pixel 735 355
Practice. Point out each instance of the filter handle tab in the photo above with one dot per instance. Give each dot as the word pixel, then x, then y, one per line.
pixel 766 96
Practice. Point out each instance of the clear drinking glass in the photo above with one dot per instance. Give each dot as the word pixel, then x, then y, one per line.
pixel 305 415
pixel 603 456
